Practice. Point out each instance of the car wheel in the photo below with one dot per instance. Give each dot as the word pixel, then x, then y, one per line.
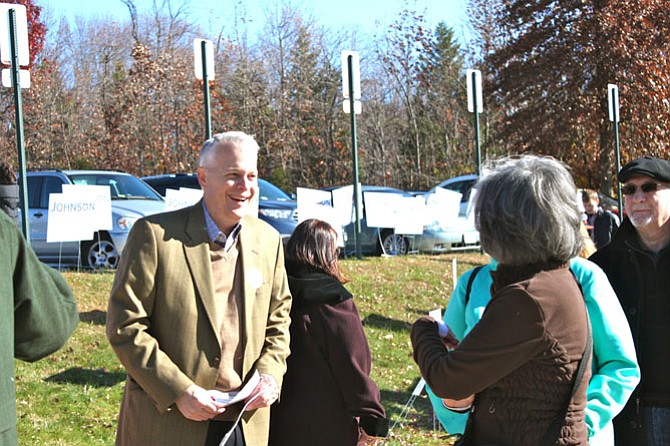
pixel 99 253
pixel 394 244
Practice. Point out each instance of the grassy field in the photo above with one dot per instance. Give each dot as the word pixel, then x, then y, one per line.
pixel 73 396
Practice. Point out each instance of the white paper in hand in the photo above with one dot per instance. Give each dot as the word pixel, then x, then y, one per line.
pixel 229 398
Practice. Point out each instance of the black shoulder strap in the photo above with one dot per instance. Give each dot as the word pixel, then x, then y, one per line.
pixel 471 279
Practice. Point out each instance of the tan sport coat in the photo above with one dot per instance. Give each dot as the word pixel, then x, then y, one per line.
pixel 163 324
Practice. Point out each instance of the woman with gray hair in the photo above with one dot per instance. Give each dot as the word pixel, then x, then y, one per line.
pixel 523 360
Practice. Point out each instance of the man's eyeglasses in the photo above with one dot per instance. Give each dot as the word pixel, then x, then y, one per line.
pixel 630 189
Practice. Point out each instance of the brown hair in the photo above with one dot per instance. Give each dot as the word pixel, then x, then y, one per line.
pixel 313 244
pixel 7 175
pixel 590 194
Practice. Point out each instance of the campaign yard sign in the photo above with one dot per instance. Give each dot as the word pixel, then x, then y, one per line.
pixel 181 198
pixel 78 212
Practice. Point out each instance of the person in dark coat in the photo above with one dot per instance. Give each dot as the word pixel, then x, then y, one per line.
pixel 637 263
pixel 603 224
pixel 328 397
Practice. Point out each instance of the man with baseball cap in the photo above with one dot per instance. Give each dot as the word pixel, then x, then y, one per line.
pixel 637 262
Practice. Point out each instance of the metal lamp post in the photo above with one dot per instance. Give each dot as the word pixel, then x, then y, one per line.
pixel 613 108
pixel 351 90
pixel 204 69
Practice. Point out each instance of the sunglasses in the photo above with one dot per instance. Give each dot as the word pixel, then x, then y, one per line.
pixel 630 189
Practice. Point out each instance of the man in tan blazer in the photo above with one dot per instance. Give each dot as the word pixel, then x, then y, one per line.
pixel 200 301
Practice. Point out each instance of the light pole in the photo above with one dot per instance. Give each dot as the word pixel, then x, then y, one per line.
pixel 351 90
pixel 14 51
pixel 204 63
pixel 613 108
pixel 475 106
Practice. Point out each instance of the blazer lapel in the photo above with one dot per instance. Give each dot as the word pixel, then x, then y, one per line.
pixel 196 250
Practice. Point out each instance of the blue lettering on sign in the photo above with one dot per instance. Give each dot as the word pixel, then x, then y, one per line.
pixel 72 207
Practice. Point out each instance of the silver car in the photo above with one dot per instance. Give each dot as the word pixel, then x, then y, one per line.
pixel 457 234
pixel 131 199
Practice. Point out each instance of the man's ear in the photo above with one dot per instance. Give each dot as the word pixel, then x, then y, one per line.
pixel 202 176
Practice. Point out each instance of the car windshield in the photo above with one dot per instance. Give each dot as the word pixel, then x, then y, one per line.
pixel 122 187
pixel 270 192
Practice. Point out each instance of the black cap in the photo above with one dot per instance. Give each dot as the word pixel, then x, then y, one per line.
pixel 656 168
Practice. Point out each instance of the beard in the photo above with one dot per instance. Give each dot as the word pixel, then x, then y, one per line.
pixel 641 221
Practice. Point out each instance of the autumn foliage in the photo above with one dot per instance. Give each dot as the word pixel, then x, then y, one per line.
pixel 547 66
pixel 122 95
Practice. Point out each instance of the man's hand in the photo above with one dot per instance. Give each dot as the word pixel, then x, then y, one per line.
pixel 196 404
pixel 265 393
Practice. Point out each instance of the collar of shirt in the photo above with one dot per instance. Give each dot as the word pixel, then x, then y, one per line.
pixel 216 235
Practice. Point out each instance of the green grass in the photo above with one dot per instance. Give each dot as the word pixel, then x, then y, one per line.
pixel 73 396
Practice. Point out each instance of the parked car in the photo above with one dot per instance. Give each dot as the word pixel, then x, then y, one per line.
pixel 375 240
pixel 460 233
pixel 274 205
pixel 462 184
pixel 131 199
pixel 435 238
pixel 457 235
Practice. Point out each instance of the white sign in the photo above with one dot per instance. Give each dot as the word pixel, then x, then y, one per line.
pixel 78 212
pixel 355 73
pixel 209 58
pixel 474 90
pixel 613 102
pixel 69 219
pixel 347 107
pixel 315 203
pixel 24 78
pixel 181 198
pixel 343 204
pixel 443 206
pixel 413 216
pixel 100 195
pixel 21 34
pixel 383 210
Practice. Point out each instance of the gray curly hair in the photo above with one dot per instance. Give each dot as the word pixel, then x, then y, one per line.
pixel 527 211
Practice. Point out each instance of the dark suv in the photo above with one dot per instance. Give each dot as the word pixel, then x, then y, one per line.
pixel 274 205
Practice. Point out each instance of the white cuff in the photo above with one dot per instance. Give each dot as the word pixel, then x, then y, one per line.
pixel 464 409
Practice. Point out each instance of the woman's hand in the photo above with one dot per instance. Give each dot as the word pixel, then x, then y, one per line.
pixel 450 341
pixel 458 405
pixel 448 338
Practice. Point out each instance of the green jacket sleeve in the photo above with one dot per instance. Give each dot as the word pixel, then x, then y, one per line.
pixel 45 312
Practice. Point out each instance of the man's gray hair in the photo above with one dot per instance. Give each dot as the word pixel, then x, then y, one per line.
pixel 224 141
pixel 527 211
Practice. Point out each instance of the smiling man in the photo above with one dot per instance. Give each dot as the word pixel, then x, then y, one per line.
pixel 200 302
pixel 637 263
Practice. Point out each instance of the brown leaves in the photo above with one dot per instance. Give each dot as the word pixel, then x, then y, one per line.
pixel 550 77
